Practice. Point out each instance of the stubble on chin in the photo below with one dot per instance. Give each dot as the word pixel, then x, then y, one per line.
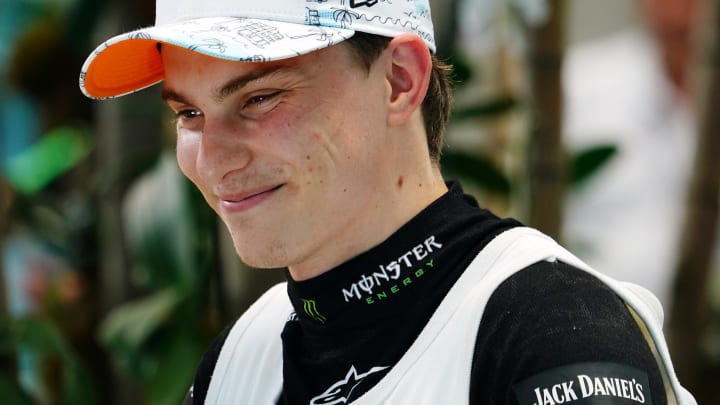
pixel 260 254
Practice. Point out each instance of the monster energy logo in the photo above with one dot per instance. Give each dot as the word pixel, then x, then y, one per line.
pixel 310 308
pixel 367 285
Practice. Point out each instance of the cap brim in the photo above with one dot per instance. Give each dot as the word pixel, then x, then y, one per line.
pixel 131 61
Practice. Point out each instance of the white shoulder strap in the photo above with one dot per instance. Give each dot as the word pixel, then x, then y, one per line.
pixel 249 367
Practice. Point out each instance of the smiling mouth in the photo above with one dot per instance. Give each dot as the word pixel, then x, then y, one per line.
pixel 245 202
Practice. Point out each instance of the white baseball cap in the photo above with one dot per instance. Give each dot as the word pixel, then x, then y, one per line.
pixel 243 30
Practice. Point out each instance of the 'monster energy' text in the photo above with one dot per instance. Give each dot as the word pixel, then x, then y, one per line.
pixel 389 276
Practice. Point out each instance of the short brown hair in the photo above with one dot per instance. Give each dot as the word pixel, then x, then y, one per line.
pixel 438 101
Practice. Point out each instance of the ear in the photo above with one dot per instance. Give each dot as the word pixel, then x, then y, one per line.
pixel 408 74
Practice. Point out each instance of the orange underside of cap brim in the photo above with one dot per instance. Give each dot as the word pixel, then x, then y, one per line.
pixel 124 67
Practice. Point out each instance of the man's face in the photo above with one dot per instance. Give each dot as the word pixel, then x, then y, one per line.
pixel 289 154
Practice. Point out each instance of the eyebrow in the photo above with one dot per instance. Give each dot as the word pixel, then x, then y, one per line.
pixel 172 95
pixel 233 85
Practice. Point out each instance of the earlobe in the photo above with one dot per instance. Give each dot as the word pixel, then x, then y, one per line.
pixel 408 74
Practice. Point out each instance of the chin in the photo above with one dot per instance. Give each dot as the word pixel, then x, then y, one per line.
pixel 265 256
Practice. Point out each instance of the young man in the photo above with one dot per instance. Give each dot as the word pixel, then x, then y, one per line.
pixel 320 154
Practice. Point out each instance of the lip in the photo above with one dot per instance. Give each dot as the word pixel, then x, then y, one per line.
pixel 246 200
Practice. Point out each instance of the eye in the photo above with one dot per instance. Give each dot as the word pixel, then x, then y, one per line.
pixel 188 118
pixel 259 100
pixel 187 114
pixel 261 103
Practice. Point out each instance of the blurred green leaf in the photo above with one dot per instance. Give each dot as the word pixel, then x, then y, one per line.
pixel 587 162
pixel 147 344
pixel 129 326
pixel 488 109
pixel 163 229
pixel 51 156
pixel 476 169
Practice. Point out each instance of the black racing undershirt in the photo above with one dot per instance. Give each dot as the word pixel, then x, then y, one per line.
pixel 548 315
pixel 373 327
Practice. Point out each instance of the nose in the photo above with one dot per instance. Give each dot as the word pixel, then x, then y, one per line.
pixel 223 149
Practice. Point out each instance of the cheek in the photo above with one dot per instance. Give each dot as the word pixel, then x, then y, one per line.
pixel 188 146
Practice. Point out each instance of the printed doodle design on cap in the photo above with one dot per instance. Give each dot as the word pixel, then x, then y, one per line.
pixel 255 33
pixel 414 17
pixel 252 34
pixel 214 44
pixel 319 34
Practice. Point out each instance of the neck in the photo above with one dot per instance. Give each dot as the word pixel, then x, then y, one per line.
pixel 411 183
pixel 410 196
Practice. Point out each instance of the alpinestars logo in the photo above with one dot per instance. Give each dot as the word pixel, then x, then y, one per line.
pixel 339 393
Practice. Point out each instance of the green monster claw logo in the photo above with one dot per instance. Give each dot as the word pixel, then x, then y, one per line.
pixel 310 308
